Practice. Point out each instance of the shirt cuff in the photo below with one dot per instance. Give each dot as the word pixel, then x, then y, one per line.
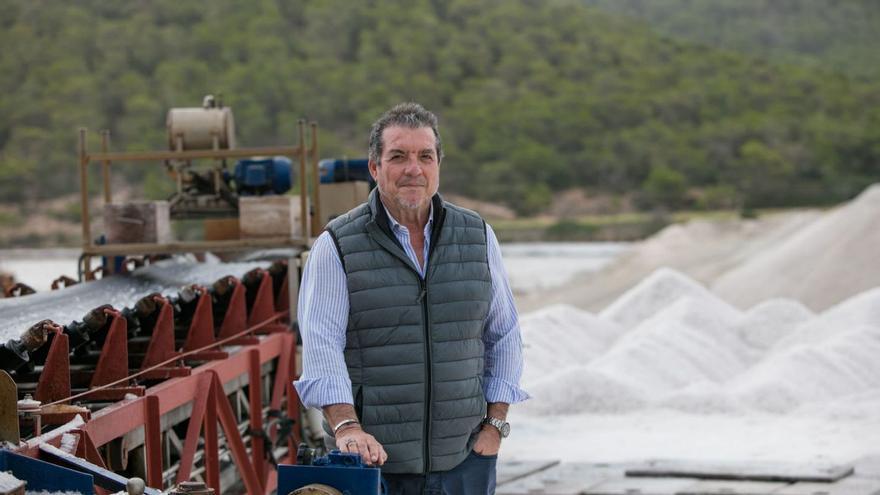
pixel 498 390
pixel 323 391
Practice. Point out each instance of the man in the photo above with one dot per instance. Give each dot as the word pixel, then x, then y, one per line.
pixel 410 335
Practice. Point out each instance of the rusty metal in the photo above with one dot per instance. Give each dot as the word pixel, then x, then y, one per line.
pixel 316 197
pixel 303 197
pixel 191 488
pixel 18 289
pixel 62 282
pixel 9 431
pixel 82 151
pixel 29 413
pixel 105 166
pixel 151 332
pixel 106 158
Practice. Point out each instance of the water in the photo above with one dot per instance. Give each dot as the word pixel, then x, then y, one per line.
pixel 533 267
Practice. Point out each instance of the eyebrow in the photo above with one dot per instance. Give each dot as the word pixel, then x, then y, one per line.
pixel 426 150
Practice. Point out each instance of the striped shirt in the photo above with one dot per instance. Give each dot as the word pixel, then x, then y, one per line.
pixel 323 318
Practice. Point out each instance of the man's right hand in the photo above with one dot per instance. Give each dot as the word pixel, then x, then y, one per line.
pixel 354 440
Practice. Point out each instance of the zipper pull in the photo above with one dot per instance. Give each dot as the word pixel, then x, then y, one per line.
pixel 422 295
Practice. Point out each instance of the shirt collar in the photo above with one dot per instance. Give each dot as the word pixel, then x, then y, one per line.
pixel 395 225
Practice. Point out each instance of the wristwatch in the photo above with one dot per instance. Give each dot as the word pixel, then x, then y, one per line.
pixel 502 426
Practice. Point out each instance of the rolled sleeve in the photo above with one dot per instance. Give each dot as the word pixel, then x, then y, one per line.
pixel 501 335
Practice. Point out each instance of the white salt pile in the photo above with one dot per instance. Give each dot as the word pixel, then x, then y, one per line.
pixel 792 375
pixel 561 336
pixel 813 257
pixel 654 293
pixel 827 261
pixel 669 342
pixel 843 364
pixel 763 325
pixel 689 341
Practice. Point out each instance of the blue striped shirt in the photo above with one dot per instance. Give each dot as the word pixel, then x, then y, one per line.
pixel 323 318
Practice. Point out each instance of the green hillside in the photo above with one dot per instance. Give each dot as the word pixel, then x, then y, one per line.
pixel 831 35
pixel 534 96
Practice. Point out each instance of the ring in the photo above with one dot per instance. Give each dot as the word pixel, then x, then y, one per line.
pixel 350 441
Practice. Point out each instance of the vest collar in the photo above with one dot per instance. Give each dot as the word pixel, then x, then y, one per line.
pixel 380 216
pixel 381 224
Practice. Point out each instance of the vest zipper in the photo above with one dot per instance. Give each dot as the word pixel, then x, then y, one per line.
pixel 423 298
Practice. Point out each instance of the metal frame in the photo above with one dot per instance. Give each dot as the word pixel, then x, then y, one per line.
pixel 105 158
pixel 266 343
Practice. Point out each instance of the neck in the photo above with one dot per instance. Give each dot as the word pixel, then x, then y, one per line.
pixel 408 217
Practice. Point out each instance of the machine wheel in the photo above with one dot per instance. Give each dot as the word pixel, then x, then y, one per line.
pixel 316 489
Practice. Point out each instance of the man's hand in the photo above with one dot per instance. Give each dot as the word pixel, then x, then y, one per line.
pixel 356 441
pixel 351 438
pixel 488 441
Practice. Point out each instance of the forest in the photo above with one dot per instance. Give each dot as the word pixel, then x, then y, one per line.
pixel 629 98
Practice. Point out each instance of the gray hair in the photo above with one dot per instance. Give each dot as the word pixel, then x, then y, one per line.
pixel 410 115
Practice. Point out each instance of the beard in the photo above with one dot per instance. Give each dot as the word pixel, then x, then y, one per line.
pixel 406 203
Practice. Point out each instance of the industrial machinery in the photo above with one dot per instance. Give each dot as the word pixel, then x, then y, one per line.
pixel 335 170
pixel 336 473
pixel 167 368
pixel 214 192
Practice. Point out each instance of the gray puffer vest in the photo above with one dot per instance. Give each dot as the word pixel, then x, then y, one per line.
pixel 414 348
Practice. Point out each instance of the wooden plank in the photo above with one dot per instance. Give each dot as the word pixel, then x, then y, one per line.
pixel 639 486
pixel 561 479
pixel 269 216
pixel 514 470
pixel 868 467
pixel 137 222
pixel 848 486
pixel 8 410
pixel 732 487
pixel 754 471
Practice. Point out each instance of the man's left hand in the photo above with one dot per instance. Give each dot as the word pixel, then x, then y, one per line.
pixel 488 441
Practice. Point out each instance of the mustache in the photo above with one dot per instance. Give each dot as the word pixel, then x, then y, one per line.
pixel 418 182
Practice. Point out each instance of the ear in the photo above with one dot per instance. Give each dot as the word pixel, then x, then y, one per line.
pixel 374 169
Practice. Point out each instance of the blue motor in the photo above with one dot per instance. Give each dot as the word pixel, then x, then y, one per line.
pixel 342 472
pixel 344 170
pixel 261 176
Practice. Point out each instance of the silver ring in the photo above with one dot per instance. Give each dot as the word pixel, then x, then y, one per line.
pixel 350 441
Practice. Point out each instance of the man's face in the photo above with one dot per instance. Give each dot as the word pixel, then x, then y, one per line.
pixel 409 171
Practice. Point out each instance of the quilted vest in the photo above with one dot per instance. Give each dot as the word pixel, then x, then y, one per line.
pixel 414 348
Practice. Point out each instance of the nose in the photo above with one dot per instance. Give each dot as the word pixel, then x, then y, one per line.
pixel 412 166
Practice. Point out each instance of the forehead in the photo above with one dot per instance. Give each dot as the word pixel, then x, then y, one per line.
pixel 408 139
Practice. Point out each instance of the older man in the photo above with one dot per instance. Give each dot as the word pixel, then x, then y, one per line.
pixel 410 335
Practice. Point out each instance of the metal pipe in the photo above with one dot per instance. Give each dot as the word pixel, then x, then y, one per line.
pixel 303 184
pixel 141 156
pixel 105 166
pixel 84 188
pixel 316 196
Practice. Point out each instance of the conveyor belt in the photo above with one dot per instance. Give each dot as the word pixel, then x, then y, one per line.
pixel 67 305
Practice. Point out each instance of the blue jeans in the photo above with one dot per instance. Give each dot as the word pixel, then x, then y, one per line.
pixel 474 476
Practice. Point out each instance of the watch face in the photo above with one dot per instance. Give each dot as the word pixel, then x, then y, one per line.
pixel 505 430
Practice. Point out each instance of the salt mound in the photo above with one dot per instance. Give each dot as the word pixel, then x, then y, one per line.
pixel 578 390
pixel 842 364
pixel 823 263
pixel 768 322
pixel 689 341
pixel 702 397
pixel 860 310
pixel 654 293
pixel 562 335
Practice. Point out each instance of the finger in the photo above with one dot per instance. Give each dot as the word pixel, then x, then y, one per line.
pixel 374 451
pixel 348 445
pixel 364 451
